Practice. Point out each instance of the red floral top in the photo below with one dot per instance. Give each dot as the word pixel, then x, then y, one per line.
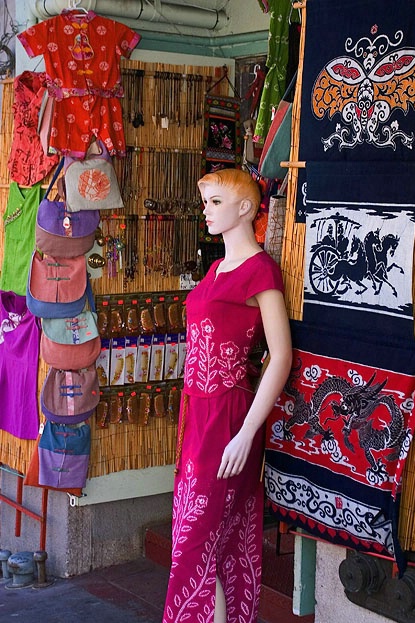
pixel 82 53
pixel 27 162
pixel 222 328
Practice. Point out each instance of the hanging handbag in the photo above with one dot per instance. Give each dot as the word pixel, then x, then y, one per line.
pixel 64 455
pixel 91 184
pixel 71 343
pixel 31 478
pixel 56 287
pixel 69 396
pixel 64 233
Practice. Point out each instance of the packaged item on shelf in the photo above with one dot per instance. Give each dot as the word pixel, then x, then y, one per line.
pixel 146 314
pixel 103 316
pixel 174 304
pixel 182 355
pixel 144 407
pixel 117 368
pixel 117 324
pixel 131 352
pixel 159 402
pixel 103 363
pixel 131 405
pixel 131 314
pixel 102 411
pixel 142 370
pixel 159 313
pixel 171 360
pixel 173 404
pixel 116 407
pixel 157 357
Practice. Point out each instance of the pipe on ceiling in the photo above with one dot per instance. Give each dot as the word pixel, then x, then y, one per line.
pixel 143 11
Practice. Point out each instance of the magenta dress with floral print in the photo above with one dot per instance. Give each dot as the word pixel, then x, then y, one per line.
pixel 217 524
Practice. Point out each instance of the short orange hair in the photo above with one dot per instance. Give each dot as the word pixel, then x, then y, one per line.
pixel 241 182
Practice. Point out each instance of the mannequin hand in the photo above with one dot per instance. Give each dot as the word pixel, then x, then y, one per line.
pixel 235 455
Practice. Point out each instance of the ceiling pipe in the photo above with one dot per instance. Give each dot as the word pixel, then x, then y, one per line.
pixel 141 11
pixel 213 5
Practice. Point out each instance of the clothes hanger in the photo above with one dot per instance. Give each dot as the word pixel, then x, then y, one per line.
pixel 224 77
pixel 73 5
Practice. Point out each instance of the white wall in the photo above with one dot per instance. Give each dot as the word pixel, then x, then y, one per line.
pixel 245 16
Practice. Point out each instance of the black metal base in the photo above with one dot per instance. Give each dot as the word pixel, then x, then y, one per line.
pixel 369 582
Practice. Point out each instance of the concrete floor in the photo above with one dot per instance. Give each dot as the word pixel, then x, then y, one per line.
pixel 134 592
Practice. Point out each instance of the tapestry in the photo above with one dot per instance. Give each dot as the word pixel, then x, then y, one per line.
pixel 338 438
pixel 359 243
pixel 357 99
pixel 222 148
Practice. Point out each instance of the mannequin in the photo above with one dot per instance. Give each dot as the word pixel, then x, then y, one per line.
pixel 218 498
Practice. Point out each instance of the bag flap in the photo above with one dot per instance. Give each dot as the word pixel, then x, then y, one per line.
pixel 57 280
pixel 53 217
pixel 74 440
pixel 70 394
pixel 78 330
pixel 69 356
pixel 50 244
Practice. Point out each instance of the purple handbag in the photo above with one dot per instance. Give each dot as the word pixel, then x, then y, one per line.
pixel 61 232
pixel 64 455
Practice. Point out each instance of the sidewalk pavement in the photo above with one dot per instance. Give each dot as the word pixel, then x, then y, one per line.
pixel 133 592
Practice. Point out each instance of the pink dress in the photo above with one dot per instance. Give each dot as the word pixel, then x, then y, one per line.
pixel 217 524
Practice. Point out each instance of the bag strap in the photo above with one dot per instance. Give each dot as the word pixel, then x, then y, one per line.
pixel 54 178
pixel 90 294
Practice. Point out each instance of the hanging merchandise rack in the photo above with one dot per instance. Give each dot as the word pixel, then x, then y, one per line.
pixel 175 153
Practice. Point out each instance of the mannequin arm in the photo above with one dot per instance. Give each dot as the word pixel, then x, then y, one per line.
pixel 277 334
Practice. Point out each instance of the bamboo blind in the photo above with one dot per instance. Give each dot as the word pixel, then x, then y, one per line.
pixel 120 446
pixel 292 256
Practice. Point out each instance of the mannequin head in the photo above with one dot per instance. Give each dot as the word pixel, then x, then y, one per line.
pixel 240 183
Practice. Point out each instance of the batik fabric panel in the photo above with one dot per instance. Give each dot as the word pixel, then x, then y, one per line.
pixel 359 246
pixel 357 90
pixel 338 438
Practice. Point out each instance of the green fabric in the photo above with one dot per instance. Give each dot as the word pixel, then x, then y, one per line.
pixel 19 226
pixel 277 59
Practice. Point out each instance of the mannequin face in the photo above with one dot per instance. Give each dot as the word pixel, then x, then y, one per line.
pixel 222 210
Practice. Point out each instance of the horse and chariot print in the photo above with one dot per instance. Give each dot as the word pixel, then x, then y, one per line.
pixel 360 258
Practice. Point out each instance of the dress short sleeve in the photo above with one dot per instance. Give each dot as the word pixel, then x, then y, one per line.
pixel 266 275
pixel 35 38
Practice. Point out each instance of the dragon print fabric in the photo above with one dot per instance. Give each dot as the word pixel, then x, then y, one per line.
pixel 338 439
